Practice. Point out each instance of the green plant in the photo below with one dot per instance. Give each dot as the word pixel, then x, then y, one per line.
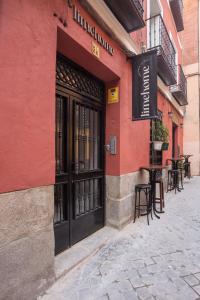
pixel 160 132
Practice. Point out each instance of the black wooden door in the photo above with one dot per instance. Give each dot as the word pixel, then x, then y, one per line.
pixel 62 186
pixel 79 188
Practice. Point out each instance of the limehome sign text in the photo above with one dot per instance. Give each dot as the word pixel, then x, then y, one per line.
pixel 144 73
pixel 91 30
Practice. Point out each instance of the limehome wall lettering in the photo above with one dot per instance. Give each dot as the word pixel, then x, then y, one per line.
pixel 91 30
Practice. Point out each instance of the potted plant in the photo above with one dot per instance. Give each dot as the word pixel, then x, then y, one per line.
pixel 165 144
pixel 160 136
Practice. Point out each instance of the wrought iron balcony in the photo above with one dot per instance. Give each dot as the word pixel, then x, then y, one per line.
pixel 177 12
pixel 128 12
pixel 179 90
pixel 159 39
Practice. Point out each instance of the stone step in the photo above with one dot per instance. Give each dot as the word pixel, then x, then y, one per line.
pixel 80 252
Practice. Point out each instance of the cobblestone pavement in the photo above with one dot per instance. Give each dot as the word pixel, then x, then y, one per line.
pixel 158 262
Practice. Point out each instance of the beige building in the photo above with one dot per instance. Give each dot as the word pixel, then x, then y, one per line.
pixel 190 41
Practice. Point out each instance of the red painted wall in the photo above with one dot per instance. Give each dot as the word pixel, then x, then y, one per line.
pixel 27 85
pixel 31 35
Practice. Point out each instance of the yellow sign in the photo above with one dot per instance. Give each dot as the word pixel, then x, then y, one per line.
pixel 113 95
pixel 95 50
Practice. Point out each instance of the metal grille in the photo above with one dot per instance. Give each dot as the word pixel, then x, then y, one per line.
pixel 139 5
pixel 68 75
pixel 86 139
pixel 87 196
pixel 60 207
pixel 160 40
pixel 61 135
pixel 182 82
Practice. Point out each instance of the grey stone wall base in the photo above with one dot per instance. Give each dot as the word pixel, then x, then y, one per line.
pixel 120 197
pixel 120 212
pixel 26 243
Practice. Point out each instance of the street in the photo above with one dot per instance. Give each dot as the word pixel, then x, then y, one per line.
pixel 160 261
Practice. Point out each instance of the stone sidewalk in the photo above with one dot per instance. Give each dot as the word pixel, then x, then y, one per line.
pixel 160 261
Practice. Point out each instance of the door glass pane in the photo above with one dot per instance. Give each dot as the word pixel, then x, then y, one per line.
pixel 76 139
pixel 91 139
pixel 86 139
pixel 81 197
pixel 60 207
pixel 87 196
pixel 96 140
pixel 87 132
pixel 61 135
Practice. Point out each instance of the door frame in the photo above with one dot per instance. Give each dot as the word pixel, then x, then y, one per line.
pixel 66 91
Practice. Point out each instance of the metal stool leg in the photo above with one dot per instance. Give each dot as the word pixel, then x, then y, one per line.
pixel 150 204
pixel 189 171
pixel 135 205
pixel 161 195
pixel 169 180
pixel 139 205
pixel 175 182
pixel 147 204
pixel 172 182
pixel 181 175
pixel 163 200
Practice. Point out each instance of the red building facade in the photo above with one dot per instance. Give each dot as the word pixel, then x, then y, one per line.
pixel 77 50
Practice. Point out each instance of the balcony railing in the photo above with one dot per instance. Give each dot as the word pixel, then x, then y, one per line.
pixel 139 5
pixel 179 90
pixel 159 39
pixel 177 12
pixel 128 12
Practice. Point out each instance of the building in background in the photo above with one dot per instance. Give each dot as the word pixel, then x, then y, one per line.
pixel 191 68
pixel 67 96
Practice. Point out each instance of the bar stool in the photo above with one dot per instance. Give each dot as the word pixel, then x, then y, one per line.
pixel 146 188
pixel 173 180
pixel 187 170
pixel 160 200
pixel 181 177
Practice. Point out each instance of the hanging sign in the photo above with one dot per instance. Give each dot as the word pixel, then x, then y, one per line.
pixel 144 102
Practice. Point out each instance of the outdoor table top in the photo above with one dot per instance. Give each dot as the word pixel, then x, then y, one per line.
pixel 175 162
pixel 153 167
pixel 175 159
pixel 186 155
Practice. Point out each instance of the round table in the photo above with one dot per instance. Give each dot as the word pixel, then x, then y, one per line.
pixel 186 164
pixel 175 162
pixel 153 170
